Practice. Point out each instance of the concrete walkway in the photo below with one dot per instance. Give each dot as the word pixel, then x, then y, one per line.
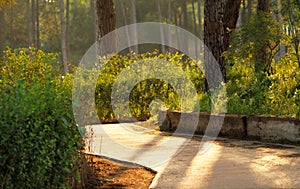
pixel 182 163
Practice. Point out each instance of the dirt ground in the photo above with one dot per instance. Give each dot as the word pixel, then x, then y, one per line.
pixel 109 174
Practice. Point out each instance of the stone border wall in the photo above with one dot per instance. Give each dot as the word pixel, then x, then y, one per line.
pixel 265 128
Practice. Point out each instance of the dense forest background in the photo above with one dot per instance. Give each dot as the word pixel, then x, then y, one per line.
pixel 39 22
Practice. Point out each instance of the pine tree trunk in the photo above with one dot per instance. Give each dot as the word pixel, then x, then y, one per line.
pixel 195 27
pixel 263 6
pixel 133 21
pixel 94 15
pixel 33 20
pixel 29 28
pixel 249 9
pixel 213 38
pixel 185 23
pixel 68 29
pixel 123 10
pixel 63 37
pixel 231 15
pixel 169 22
pixel 11 28
pixel 37 24
pixel 220 18
pixel 200 24
pixel 162 38
pixel 3 34
pixel 106 22
pixel 243 15
pixel 261 54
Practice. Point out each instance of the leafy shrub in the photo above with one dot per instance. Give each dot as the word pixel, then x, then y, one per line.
pixel 145 91
pixel 283 94
pixel 259 93
pixel 39 139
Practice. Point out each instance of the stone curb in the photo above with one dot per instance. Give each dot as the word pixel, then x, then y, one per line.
pixel 266 128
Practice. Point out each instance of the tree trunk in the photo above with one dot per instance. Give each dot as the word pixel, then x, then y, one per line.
pixel 169 22
pixel 220 18
pixel 249 9
pixel 185 15
pixel 63 37
pixel 133 21
pixel 162 38
pixel 261 54
pixel 68 29
pixel 213 38
pixel 33 22
pixel 3 34
pixel 125 24
pixel 11 28
pixel 37 24
pixel 243 14
pixel 263 6
pixel 231 15
pixel 94 15
pixel 29 19
pixel 106 22
pixel 185 23
pixel 195 27
pixel 200 24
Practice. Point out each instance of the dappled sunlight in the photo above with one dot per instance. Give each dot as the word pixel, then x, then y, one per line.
pixel 201 167
pixel 275 166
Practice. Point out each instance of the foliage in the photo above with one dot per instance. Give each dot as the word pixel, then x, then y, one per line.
pixel 254 93
pixel 39 139
pixel 291 22
pixel 248 42
pixel 284 92
pixel 4 3
pixel 145 91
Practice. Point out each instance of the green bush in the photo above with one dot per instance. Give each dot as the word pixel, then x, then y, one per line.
pixel 248 91
pixel 283 95
pixel 259 93
pixel 145 91
pixel 39 139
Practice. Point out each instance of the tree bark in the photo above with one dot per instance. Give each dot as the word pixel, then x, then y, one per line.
pixel 185 23
pixel 123 9
pixel 220 18
pixel 133 21
pixel 243 14
pixel 11 28
pixel 200 24
pixel 106 22
pixel 263 6
pixel 261 54
pixel 37 24
pixel 63 37
pixel 29 28
pixel 185 15
pixel 3 34
pixel 162 38
pixel 169 22
pixel 213 38
pixel 249 9
pixel 195 27
pixel 94 15
pixel 68 29
pixel 231 15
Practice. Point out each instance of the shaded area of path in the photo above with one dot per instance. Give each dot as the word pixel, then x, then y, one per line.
pixel 227 164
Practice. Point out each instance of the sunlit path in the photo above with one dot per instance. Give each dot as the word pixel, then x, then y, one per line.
pixel 227 164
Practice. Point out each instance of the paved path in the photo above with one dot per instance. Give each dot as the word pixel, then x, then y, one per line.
pixel 180 164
